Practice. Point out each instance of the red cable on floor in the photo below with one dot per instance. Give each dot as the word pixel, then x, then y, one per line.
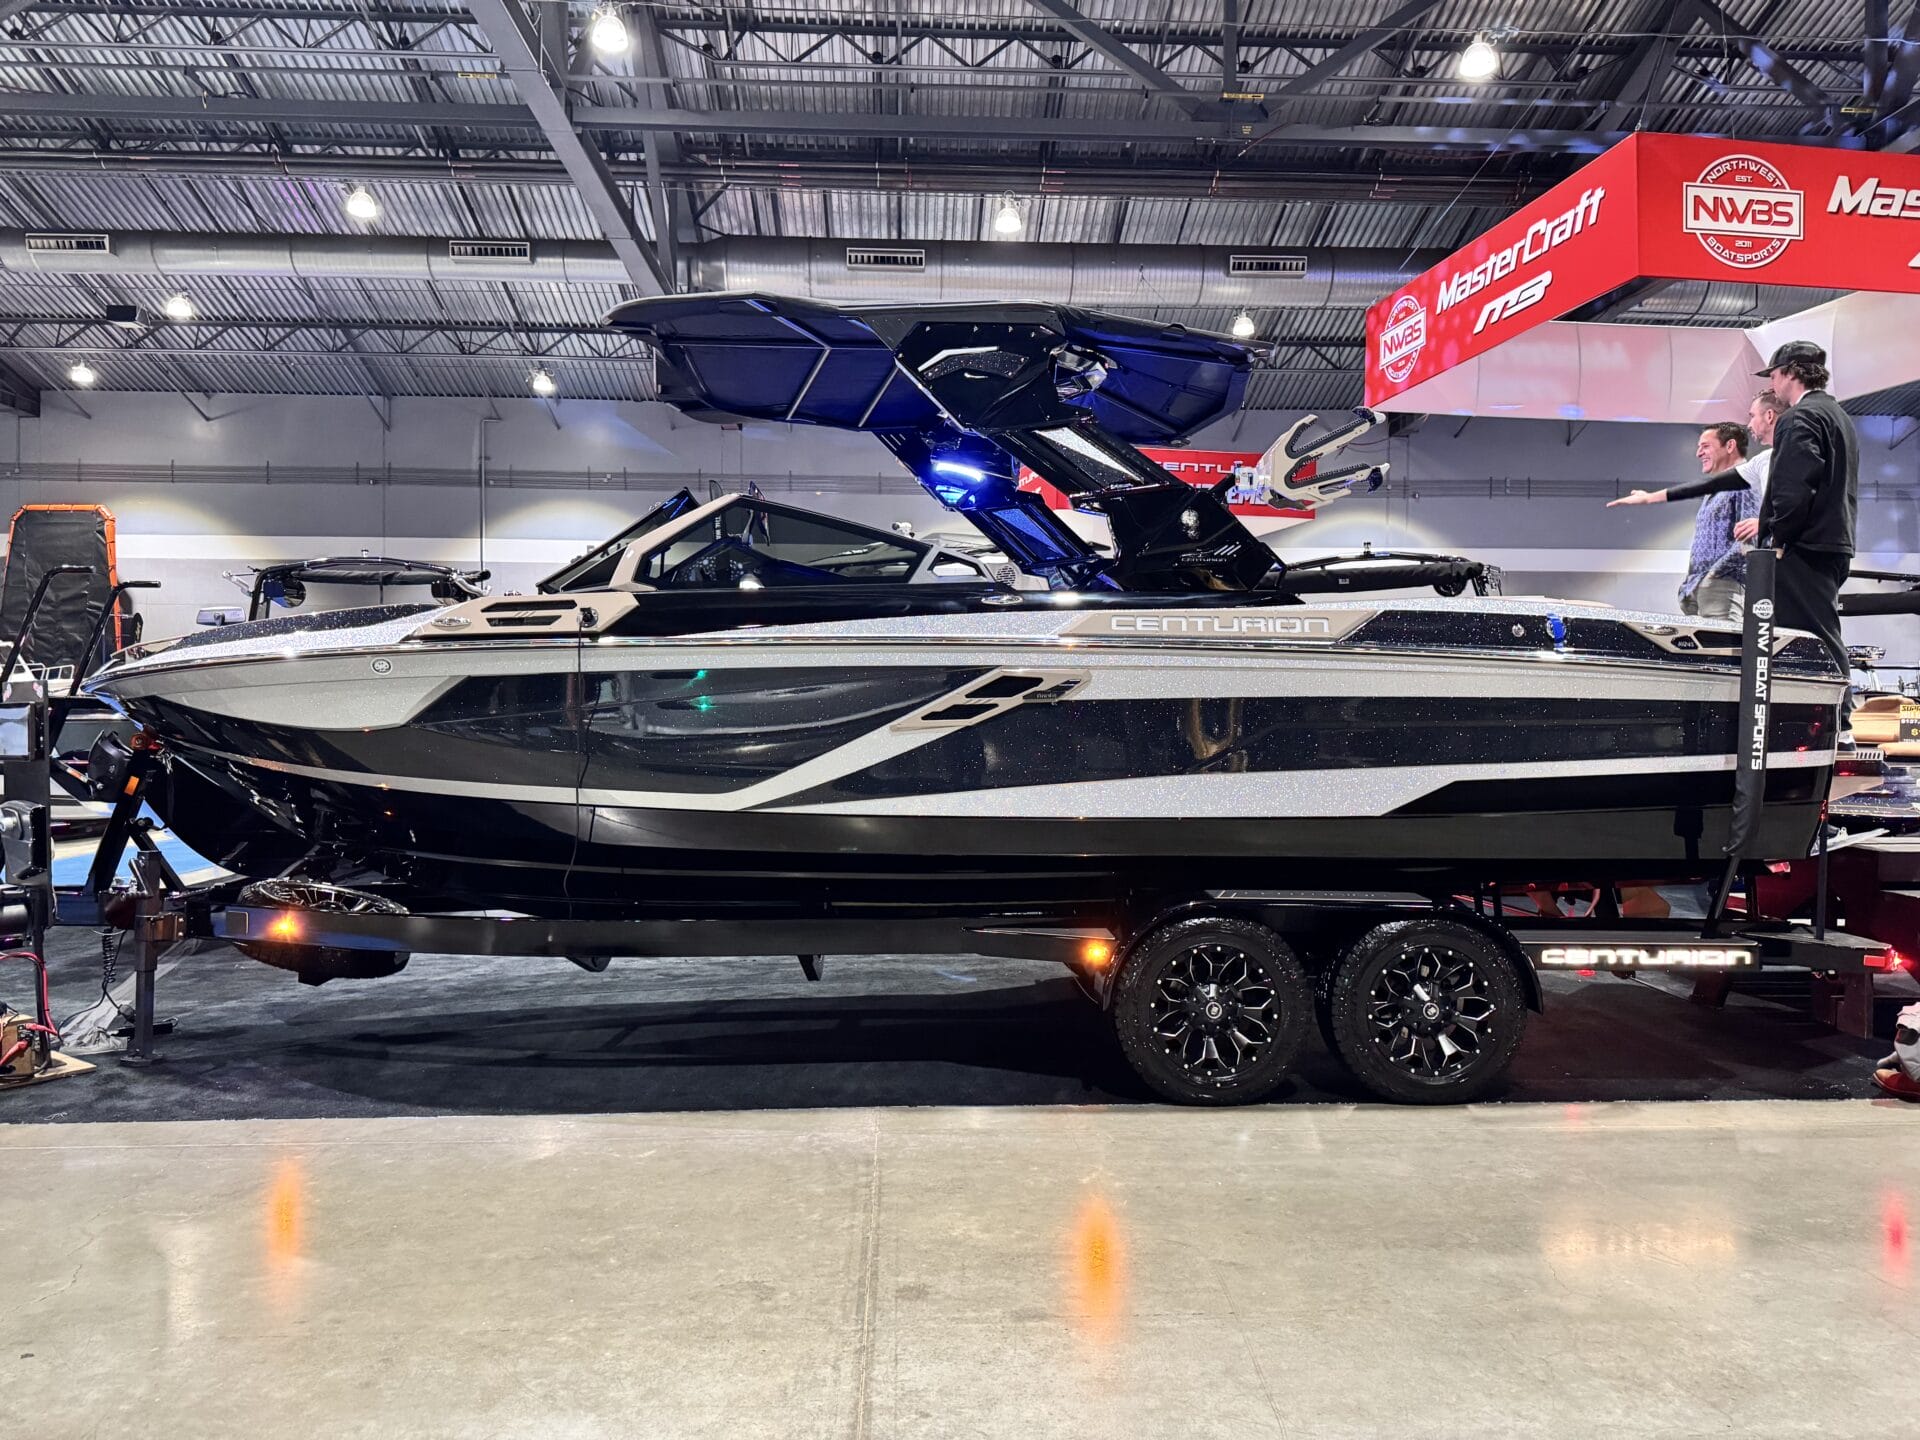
pixel 46 1008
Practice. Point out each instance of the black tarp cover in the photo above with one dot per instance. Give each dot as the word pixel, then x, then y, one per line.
pixel 41 537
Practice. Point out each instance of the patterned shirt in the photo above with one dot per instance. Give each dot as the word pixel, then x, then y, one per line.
pixel 1716 555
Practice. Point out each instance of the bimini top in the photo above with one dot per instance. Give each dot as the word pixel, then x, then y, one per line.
pixel 772 357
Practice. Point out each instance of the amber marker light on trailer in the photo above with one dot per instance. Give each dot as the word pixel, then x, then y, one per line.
pixel 284 926
pixel 1096 954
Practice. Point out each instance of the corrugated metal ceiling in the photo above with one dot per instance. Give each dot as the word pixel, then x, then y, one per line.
pixel 987 59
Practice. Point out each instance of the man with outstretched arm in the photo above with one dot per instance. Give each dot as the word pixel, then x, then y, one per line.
pixel 1715 582
pixel 1809 483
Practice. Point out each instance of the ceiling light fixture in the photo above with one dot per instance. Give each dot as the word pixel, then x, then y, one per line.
pixel 83 374
pixel 1007 220
pixel 361 205
pixel 542 383
pixel 607 32
pixel 1479 61
pixel 1243 326
pixel 179 307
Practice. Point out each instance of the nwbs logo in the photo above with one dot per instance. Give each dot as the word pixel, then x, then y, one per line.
pixel 1744 211
pixel 1521 297
pixel 1403 339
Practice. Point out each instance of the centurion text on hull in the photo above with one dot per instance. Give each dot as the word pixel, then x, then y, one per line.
pixel 739 704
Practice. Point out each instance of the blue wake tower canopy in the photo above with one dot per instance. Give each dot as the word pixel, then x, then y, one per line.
pixel 966 394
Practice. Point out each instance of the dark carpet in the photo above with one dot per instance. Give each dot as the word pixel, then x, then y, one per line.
pixel 457 1034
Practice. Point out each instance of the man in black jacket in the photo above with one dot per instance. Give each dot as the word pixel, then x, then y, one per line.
pixel 1812 498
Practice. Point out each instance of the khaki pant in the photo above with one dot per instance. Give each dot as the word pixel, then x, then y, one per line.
pixel 1716 599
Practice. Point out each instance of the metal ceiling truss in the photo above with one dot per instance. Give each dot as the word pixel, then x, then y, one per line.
pixel 1894 112
pixel 348 339
pixel 1763 57
pixel 771 167
pixel 517 43
pixel 204 110
pixel 673 223
pixel 1364 42
pixel 1140 54
pixel 18 395
pixel 1631 79
pixel 498 94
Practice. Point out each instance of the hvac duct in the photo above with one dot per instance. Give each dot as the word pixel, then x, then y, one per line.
pixel 1127 277
pixel 575 262
pixel 1688 301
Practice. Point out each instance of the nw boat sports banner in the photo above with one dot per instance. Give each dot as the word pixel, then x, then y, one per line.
pixel 1197 467
pixel 1675 207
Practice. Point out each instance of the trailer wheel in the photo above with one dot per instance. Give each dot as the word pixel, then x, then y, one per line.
pixel 1212 1011
pixel 1426 1012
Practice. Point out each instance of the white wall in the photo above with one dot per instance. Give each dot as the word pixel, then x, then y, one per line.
pixel 628 455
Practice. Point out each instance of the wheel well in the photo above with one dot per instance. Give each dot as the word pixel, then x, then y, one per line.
pixel 1503 937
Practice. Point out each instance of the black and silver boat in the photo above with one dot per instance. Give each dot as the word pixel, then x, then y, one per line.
pixel 741 705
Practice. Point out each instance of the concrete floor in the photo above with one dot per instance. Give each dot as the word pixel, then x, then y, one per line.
pixel 1540 1270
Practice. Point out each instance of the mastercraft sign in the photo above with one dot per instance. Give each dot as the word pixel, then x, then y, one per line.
pixel 1674 207
pixel 1572 244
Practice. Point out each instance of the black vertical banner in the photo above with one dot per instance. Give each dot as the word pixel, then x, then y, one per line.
pixel 1756 687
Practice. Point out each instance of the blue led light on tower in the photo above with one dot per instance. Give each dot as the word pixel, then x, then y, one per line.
pixel 973 474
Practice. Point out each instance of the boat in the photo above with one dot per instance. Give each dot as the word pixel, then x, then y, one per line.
pixel 740 707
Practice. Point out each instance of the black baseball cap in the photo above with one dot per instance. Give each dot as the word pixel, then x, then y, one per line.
pixel 1791 351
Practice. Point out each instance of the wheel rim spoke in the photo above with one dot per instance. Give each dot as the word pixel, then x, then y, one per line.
pixel 1429 1012
pixel 1214 1012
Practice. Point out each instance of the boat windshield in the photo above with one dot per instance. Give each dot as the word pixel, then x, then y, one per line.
pixel 595 569
pixel 753 543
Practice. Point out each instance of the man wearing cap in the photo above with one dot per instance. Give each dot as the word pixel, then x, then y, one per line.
pixel 1812 499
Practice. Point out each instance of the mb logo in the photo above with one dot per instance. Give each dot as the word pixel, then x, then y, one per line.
pixel 1522 297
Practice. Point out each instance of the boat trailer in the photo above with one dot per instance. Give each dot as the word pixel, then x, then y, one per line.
pixel 1454 972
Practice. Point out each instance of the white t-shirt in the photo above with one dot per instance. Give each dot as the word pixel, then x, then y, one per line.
pixel 1754 470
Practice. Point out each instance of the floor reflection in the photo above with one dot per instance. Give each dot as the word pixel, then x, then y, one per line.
pixel 1096 1273
pixel 1895 1258
pixel 283 1208
pixel 1700 1238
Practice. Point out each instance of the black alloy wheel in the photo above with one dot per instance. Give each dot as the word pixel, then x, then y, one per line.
pixel 1426 1012
pixel 1212 1010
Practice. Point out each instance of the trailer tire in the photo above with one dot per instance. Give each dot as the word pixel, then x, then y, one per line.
pixel 1445 1045
pixel 1212 1011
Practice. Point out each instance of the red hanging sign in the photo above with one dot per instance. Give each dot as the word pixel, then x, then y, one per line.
pixel 1201 468
pixel 1675 207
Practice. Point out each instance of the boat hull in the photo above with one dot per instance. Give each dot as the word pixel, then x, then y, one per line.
pixel 885 768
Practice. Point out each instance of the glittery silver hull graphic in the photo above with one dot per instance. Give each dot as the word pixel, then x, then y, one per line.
pixel 1022 753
